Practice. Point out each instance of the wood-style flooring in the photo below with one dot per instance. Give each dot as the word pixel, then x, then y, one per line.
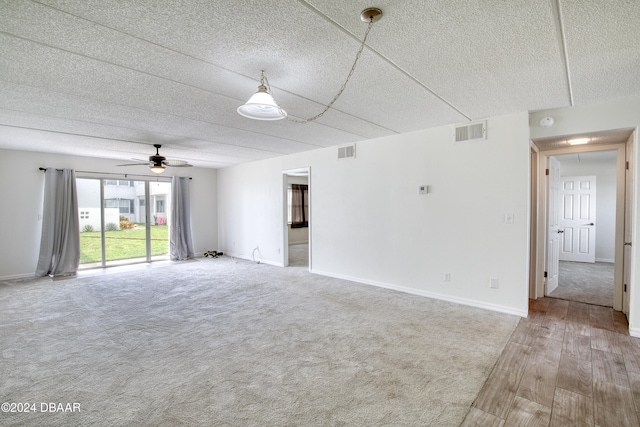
pixel 567 364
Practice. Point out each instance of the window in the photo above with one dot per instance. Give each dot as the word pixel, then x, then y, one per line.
pixel 159 206
pixel 125 206
pixel 289 197
pixel 299 206
pixel 119 183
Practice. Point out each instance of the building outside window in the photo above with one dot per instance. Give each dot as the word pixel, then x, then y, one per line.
pixel 118 183
pixel 125 206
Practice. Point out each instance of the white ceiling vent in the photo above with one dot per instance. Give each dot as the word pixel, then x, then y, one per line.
pixel 346 151
pixel 471 132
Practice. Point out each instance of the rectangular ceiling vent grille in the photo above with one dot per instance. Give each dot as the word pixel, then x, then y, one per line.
pixel 471 132
pixel 346 151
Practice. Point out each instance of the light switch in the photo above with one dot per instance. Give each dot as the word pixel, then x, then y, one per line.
pixel 508 218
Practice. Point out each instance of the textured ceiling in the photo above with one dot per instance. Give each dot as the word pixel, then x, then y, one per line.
pixel 111 78
pixel 600 157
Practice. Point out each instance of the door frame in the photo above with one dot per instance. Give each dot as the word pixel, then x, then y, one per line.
pixel 535 254
pixel 538 291
pixel 552 233
pixel 630 203
pixel 285 229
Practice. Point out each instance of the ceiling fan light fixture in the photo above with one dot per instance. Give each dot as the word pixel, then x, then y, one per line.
pixel 158 163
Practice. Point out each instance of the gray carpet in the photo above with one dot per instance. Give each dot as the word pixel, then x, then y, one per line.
pixel 591 283
pixel 218 342
pixel 299 255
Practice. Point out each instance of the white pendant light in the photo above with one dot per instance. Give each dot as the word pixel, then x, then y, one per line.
pixel 262 106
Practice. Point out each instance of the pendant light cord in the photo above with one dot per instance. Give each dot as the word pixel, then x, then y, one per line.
pixel 344 85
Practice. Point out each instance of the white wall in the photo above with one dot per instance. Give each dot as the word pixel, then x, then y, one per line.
pixel 21 193
pixel 617 114
pixel 605 173
pixel 369 223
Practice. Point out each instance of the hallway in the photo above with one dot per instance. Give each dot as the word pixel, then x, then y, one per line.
pixel 567 364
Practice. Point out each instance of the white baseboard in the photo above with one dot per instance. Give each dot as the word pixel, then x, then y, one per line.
pixel 277 264
pixel 610 261
pixel 434 295
pixel 634 332
pixel 248 258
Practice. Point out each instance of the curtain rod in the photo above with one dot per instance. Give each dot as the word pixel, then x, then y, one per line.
pixel 118 174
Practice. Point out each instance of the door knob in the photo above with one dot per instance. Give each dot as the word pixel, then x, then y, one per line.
pixel 560 231
pixel 627 243
pixel 590 223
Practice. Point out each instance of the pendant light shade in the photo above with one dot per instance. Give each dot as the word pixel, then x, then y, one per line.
pixel 262 106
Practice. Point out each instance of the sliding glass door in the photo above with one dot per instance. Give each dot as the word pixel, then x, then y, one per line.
pixel 90 216
pixel 125 233
pixel 159 202
pixel 122 221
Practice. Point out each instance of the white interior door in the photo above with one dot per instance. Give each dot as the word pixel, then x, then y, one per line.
pixel 553 231
pixel 578 219
pixel 628 226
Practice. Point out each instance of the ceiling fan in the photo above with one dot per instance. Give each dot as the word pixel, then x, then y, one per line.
pixel 157 163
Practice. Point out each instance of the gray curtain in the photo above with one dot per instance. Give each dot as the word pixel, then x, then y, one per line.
pixel 180 243
pixel 60 241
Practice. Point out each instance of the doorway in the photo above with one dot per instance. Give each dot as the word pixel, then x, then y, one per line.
pixel 614 142
pixel 297 218
pixel 586 227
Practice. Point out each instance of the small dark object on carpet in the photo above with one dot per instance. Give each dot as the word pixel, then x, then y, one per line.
pixel 212 254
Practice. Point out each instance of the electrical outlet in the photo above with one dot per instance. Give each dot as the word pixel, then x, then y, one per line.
pixel 494 283
pixel 446 277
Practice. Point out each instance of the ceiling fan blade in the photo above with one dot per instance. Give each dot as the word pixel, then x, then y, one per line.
pixel 158 160
pixel 136 164
pixel 175 163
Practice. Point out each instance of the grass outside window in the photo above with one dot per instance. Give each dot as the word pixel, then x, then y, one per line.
pixel 123 244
